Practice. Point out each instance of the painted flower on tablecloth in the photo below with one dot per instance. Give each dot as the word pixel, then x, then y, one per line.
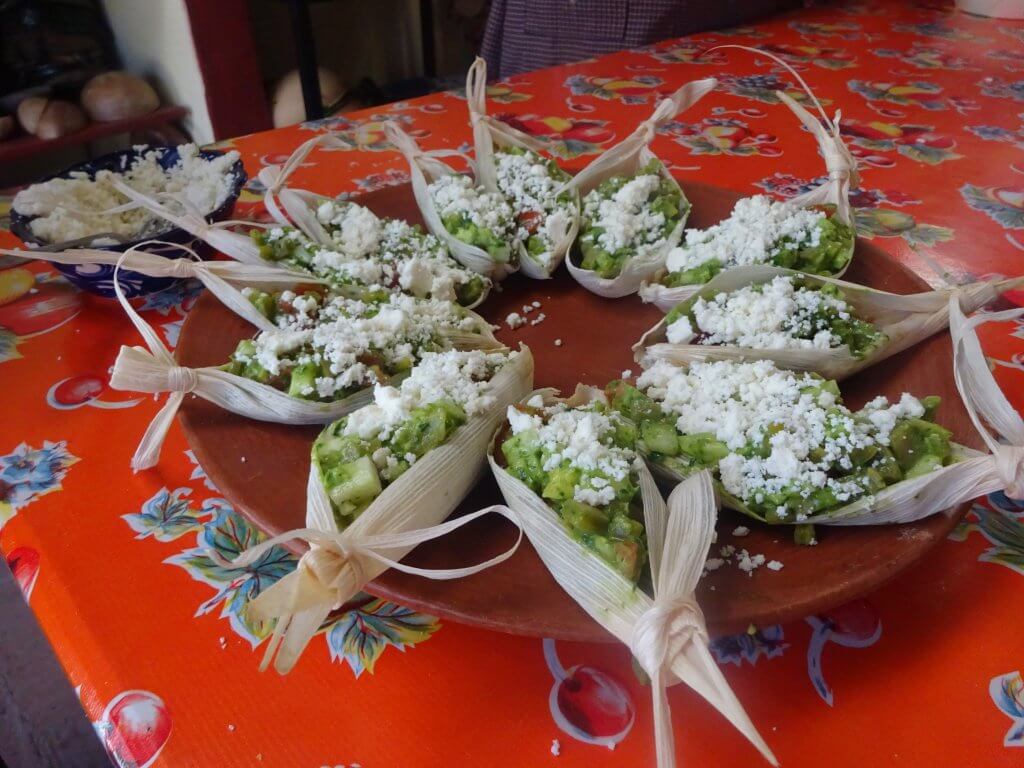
pixel 1015 32
pixel 167 515
pixel 390 178
pixel 1007 692
pixel 788 185
pixel 827 58
pixel 198 473
pixel 1002 204
pixel 1001 522
pixel 763 88
pixel 721 136
pixel 918 142
pixel 750 646
pixel 365 134
pixel 847 30
pixel 924 56
pixel 752 32
pixel 685 51
pixel 628 90
pixel 908 93
pixel 567 137
pixel 1002 89
pixel 938 30
pixel 357 633
pixel 853 625
pixel 178 298
pixel 28 473
pixel 997 133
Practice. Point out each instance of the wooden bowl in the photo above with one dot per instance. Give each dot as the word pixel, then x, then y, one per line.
pixel 519 596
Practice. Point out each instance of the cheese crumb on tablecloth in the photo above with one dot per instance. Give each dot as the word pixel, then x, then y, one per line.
pixel 514 320
pixel 556 747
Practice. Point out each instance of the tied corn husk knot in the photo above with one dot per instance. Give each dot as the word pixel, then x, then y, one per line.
pixel 408 512
pixel 224 279
pixel 488 133
pixel 426 167
pixel 625 159
pixel 666 632
pixel 904 319
pixel 970 475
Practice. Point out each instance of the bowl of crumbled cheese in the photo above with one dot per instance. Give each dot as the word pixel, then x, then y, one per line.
pixel 82 201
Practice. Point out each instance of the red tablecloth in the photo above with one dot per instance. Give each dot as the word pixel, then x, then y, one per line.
pixel 154 634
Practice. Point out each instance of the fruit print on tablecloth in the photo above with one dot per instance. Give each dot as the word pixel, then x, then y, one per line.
pixel 566 137
pixel 939 31
pixel 641 89
pixel 357 633
pixel 33 303
pixel 820 56
pixel 27 474
pixel 1003 204
pixel 1012 61
pixel 1007 692
pixel 501 93
pixel 361 134
pixel 24 564
pixel 853 625
pixel 763 87
pixel 393 177
pixel 926 56
pixel 687 51
pixel 998 133
pixel 847 30
pixel 919 93
pixel 721 136
pixel 134 728
pixel 918 142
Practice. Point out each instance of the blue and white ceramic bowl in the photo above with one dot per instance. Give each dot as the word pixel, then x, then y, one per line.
pixel 99 278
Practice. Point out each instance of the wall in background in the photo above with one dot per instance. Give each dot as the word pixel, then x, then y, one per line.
pixel 155 41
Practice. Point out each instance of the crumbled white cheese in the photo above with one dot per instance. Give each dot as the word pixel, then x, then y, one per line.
pixel 807 430
pixel 774 565
pixel 456 195
pixel 556 747
pixel 80 206
pixel 713 563
pixel 740 530
pixel 514 320
pixel 626 219
pixel 355 230
pixel 752 234
pixel 558 342
pixel 538 319
pixel 773 315
pixel 626 374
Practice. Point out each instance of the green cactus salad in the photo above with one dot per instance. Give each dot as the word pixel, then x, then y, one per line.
pixel 761 230
pixel 375 255
pixel 360 455
pixel 782 445
pixel 782 313
pixel 326 351
pixel 581 461
pixel 626 217
pixel 530 184
pixel 475 216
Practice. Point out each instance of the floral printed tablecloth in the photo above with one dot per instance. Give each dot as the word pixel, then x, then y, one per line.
pixel 154 634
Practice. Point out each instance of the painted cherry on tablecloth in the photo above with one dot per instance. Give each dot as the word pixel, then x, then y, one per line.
pixel 588 704
pixel 24 565
pixel 134 728
pixel 853 625
pixel 83 389
pixel 53 304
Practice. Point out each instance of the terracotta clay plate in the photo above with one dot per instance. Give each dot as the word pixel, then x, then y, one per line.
pixel 519 596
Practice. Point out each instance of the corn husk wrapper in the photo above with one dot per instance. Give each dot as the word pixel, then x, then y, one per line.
pixel 667 633
pixel 340 563
pixel 153 369
pixel 426 168
pixel 224 279
pixel 973 473
pixel 489 133
pixel 905 320
pixel 625 159
pixel 835 190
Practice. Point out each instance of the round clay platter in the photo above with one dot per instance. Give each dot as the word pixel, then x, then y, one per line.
pixel 262 468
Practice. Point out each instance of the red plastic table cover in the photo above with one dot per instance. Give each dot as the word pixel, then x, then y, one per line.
pixel 154 635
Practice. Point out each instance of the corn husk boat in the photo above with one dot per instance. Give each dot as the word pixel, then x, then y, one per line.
pixel 408 512
pixel 426 167
pixel 627 158
pixel 153 369
pixel 489 134
pixel 834 192
pixel 666 633
pixel 903 319
pixel 970 474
